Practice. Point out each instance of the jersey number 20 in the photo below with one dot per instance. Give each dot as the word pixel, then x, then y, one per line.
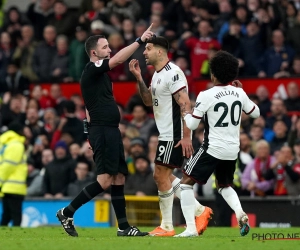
pixel 234 122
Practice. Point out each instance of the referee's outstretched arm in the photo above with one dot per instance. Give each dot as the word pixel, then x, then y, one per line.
pixel 126 52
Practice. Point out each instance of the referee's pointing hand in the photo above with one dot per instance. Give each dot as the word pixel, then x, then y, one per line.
pixel 148 34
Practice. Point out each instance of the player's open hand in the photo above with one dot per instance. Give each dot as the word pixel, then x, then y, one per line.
pixel 237 83
pixel 148 34
pixel 187 147
pixel 134 68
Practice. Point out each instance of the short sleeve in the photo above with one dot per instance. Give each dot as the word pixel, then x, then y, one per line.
pixel 248 106
pixel 177 82
pixel 200 106
pixel 100 66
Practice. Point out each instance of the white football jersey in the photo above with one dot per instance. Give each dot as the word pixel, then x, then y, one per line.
pixel 164 84
pixel 220 108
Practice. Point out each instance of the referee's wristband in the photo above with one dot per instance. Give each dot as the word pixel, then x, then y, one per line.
pixel 139 41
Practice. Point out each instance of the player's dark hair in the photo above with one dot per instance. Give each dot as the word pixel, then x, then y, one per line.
pixel 224 66
pixel 160 41
pixel 91 43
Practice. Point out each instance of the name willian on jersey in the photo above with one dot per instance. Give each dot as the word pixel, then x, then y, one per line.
pixel 225 93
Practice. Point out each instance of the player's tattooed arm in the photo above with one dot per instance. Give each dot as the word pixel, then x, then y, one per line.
pixel 183 100
pixel 145 92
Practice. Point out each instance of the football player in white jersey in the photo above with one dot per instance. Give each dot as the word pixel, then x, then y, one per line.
pixel 169 98
pixel 220 107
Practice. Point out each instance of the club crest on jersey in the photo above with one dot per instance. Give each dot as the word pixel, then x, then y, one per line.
pixel 98 63
pixel 158 81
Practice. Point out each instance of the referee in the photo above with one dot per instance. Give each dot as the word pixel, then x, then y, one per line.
pixel 105 138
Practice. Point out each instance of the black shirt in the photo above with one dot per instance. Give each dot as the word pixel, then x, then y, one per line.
pixel 96 88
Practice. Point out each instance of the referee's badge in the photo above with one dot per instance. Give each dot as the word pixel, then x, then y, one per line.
pixel 98 63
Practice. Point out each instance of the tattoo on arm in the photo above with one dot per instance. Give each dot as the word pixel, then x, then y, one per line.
pixel 145 93
pixel 184 106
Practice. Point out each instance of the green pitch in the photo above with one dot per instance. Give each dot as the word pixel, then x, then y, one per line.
pixel 53 238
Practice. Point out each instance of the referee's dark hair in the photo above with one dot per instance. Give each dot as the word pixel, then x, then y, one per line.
pixel 160 41
pixel 91 43
pixel 224 67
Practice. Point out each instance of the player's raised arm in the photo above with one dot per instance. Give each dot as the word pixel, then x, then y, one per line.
pixel 250 108
pixel 144 91
pixel 126 52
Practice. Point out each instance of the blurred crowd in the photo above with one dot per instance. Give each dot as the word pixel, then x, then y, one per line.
pixel 46 44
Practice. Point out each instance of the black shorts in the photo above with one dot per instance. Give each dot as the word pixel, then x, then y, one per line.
pixel 201 165
pixel 108 149
pixel 167 155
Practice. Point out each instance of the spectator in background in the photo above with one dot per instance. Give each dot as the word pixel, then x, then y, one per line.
pixel 205 69
pixel 280 137
pixel 294 134
pixel 73 125
pixel 253 176
pixel 99 28
pixel 39 13
pixel 141 183
pixel 251 48
pixel 98 12
pixel 142 121
pixel 292 103
pixel 50 121
pixel 32 121
pixel 245 155
pixel 278 112
pixel 178 16
pixel 63 21
pixel 80 109
pixel 83 178
pixel 232 38
pixel 13 109
pixel 225 10
pixel 137 147
pixel 15 82
pixel 36 186
pixel 286 172
pixel 128 31
pixel 293 71
pixel 276 58
pixel 44 53
pixel 292 31
pixel 13 22
pixel 60 63
pixel 78 56
pixel 6 53
pixel 126 9
pixel 198 46
pixel 24 52
pixel 74 149
pixel 59 173
pixel 157 26
pixel 57 97
pixel 241 14
pixel 40 143
pixel 116 43
pixel 256 133
pixel 268 133
pixel 264 103
pixel 140 28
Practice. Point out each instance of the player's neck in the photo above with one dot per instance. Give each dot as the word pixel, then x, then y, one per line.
pixel 161 64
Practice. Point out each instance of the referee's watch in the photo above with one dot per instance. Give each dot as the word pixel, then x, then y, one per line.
pixel 139 41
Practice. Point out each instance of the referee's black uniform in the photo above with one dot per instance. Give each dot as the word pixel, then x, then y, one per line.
pixel 104 134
